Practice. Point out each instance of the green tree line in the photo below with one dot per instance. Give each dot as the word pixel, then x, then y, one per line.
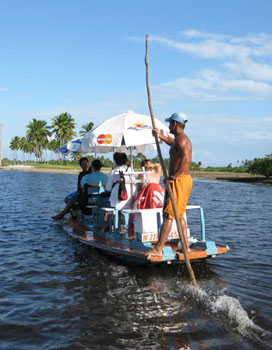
pixel 261 166
pixel 41 137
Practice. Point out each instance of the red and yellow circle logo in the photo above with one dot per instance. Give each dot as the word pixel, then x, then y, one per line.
pixel 138 125
pixel 105 139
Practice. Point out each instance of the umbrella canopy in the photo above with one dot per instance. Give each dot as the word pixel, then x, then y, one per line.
pixel 75 146
pixel 127 131
pixel 80 145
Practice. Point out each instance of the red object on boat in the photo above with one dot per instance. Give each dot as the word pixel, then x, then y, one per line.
pixel 151 196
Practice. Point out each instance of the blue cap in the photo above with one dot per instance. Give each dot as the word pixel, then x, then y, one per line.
pixel 178 117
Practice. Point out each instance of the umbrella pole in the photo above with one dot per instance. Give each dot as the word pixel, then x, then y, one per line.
pixel 132 170
pixel 169 189
pixel 131 160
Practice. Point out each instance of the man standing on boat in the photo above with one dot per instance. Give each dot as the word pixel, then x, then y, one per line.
pixel 179 178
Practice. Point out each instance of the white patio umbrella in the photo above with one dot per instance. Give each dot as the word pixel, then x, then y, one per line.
pixel 79 146
pixel 125 132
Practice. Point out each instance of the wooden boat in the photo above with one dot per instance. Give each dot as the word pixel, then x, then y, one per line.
pixel 99 229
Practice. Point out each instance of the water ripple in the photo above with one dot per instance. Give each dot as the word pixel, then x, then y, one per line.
pixel 57 294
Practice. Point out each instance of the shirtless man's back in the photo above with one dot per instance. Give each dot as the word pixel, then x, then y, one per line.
pixel 179 178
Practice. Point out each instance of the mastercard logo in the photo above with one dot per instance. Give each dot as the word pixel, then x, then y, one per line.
pixel 104 139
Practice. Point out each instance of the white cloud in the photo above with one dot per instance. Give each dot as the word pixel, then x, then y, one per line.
pixel 260 44
pixel 248 56
pixel 231 129
pixel 253 70
pixel 263 135
pixel 209 48
pixel 194 33
pixel 245 70
pixel 255 44
pixel 211 85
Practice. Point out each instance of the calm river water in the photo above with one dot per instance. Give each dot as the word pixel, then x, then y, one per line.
pixel 58 294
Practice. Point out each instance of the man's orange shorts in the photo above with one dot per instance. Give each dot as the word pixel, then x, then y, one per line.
pixel 181 188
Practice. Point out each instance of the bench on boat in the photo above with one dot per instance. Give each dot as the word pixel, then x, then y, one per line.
pixel 147 223
pixel 107 217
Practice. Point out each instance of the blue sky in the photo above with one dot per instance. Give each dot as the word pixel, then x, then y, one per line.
pixel 209 59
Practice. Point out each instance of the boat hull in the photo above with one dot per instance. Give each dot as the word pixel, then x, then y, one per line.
pixel 130 250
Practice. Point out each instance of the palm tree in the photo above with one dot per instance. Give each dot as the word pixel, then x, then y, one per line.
pixel 85 128
pixel 37 136
pixel 52 146
pixel 23 142
pixel 25 147
pixel 15 146
pixel 63 127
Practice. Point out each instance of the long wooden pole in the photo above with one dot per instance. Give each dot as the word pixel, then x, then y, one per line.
pixel 169 189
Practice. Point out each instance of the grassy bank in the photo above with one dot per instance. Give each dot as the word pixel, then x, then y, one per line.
pixel 234 177
pixel 48 168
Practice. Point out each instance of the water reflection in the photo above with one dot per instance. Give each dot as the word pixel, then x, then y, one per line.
pixel 140 307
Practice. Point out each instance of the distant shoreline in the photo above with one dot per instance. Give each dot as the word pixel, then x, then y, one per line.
pixel 202 175
pixel 34 169
pixel 232 177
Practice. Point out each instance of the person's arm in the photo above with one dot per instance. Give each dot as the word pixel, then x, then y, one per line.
pixel 165 138
pixel 140 184
pixel 157 167
pixel 79 179
pixel 109 183
pixel 82 182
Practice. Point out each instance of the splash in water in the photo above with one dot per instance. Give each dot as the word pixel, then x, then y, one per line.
pixel 230 310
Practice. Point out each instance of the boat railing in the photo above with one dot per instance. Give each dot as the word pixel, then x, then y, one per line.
pixel 202 219
pixel 147 224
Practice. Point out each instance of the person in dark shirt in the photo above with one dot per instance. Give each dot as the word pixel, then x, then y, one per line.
pixel 86 169
pixel 72 198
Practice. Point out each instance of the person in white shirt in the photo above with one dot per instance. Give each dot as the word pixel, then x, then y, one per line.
pixel 112 184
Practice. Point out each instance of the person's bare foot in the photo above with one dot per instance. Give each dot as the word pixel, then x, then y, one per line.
pixel 180 250
pixel 154 252
pixel 57 217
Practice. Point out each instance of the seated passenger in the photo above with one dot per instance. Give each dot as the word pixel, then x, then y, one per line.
pixel 112 184
pixel 150 193
pixel 150 196
pixel 93 184
pixel 96 178
pixel 153 176
pixel 73 197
